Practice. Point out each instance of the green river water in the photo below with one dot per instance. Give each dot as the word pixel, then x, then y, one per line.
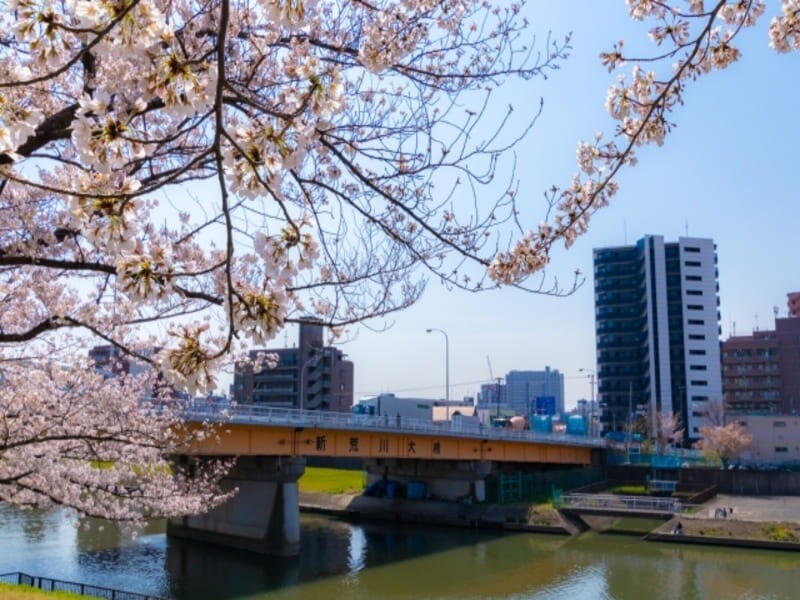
pixel 341 561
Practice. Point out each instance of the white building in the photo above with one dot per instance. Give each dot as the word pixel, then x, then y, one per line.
pixel 776 439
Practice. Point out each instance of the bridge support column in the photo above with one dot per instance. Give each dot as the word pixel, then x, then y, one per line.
pixel 264 516
pixel 447 480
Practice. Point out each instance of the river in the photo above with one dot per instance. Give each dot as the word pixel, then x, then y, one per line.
pixel 342 561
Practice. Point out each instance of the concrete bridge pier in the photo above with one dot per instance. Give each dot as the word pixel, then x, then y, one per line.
pixel 264 516
pixel 444 479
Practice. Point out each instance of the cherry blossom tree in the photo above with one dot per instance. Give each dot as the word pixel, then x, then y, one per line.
pixel 226 168
pixel 76 439
pixel 724 442
pixel 193 176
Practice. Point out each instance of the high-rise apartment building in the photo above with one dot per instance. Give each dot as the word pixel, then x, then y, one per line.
pixel 311 376
pixel 657 331
pixel 523 387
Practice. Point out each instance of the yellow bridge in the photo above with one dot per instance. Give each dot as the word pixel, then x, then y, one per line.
pixel 454 460
pixel 248 430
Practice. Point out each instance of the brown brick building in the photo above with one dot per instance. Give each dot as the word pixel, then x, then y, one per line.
pixel 311 376
pixel 761 372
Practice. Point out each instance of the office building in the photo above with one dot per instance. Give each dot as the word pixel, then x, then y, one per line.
pixel 657 332
pixel 524 387
pixel 311 376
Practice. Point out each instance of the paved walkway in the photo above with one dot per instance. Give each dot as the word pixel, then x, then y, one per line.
pixel 752 508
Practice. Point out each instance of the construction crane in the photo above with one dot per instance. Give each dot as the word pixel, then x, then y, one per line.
pixel 489 362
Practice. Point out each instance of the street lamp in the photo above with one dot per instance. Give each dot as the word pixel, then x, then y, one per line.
pixel 446 368
pixel 590 373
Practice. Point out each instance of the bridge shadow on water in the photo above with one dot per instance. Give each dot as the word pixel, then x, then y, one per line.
pixel 329 548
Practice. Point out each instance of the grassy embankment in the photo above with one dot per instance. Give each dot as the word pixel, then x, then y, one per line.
pixel 23 592
pixel 331 481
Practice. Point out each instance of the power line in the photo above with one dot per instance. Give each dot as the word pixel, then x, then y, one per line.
pixel 422 388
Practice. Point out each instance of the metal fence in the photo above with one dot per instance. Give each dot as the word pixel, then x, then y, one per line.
pixel 532 487
pixel 670 460
pixel 616 503
pixel 82 589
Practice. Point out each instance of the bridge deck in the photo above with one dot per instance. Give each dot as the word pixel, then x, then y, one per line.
pixel 258 430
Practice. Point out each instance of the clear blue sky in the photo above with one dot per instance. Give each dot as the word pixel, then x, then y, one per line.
pixel 729 172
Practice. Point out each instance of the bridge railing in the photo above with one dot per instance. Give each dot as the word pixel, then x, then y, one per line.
pixel 219 412
pixel 614 502
pixel 49 584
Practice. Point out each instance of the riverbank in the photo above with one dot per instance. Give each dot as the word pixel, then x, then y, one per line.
pixel 783 534
pixel 540 518
pixel 741 534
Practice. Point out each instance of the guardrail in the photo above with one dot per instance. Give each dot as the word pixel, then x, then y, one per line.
pixel 198 410
pixel 616 503
pixel 49 584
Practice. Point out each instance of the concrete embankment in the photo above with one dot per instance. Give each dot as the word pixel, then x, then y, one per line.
pixel 436 512
pixel 770 535
pixel 737 534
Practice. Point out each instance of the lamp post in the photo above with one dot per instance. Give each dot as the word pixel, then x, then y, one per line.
pixel 591 374
pixel 446 368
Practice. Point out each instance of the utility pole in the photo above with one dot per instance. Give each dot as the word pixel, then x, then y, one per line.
pixel 590 373
pixel 497 396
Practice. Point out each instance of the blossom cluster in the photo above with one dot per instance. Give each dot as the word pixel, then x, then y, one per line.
pixel 95 444
pixel 694 38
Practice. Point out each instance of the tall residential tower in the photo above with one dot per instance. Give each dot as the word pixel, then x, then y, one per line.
pixel 657 331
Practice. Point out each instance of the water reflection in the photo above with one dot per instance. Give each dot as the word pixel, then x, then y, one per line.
pixel 353 561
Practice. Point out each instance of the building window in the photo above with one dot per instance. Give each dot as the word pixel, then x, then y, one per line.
pixel 743 423
pixel 779 424
pixel 699 382
pixel 696 336
pixel 781 449
pixel 696 322
pixel 694 292
pixel 694 278
pixel 692 263
pixel 698 368
pixel 694 307
pixel 691 249
pixel 697 352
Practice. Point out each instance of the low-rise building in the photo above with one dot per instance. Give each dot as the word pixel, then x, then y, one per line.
pixel 761 371
pixel 776 439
